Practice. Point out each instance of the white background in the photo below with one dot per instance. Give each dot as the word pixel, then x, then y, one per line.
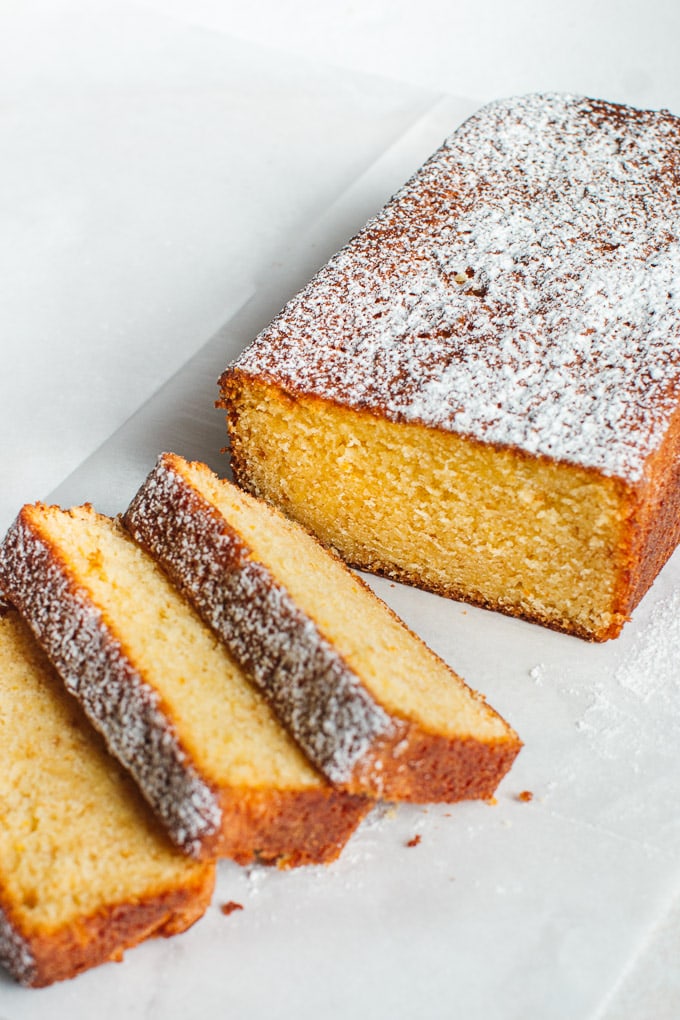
pixel 169 173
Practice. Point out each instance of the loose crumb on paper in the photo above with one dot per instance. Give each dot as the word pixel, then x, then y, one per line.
pixel 230 907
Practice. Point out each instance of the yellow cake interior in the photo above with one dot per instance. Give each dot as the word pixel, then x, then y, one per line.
pixel 402 673
pixel 504 530
pixel 74 833
pixel 222 721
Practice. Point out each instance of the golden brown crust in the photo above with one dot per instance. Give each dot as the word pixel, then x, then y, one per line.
pixel 654 521
pixel 418 767
pixel 288 828
pixel 105 935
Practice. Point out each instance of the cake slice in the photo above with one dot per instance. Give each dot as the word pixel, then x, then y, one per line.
pixel 480 394
pixel 372 706
pixel 85 870
pixel 173 706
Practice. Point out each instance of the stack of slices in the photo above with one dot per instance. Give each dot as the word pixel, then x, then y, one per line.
pixel 256 690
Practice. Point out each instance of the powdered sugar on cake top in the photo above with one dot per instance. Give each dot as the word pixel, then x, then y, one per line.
pixel 523 288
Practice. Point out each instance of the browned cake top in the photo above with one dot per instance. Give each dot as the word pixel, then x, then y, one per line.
pixel 523 288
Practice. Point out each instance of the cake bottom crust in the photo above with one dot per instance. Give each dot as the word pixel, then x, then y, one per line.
pixel 563 626
pixel 50 956
pixel 417 767
pixel 286 828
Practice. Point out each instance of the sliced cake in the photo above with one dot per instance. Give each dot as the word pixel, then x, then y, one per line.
pixel 480 394
pixel 172 704
pixel 85 869
pixel 372 706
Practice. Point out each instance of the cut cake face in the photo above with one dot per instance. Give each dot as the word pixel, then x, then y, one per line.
pixel 370 704
pixel 85 870
pixel 220 772
pixel 479 394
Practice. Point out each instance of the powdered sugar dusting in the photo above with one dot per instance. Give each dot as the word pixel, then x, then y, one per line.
pixel 650 670
pixel 311 688
pixel 94 667
pixel 15 953
pixel 523 288
pixel 645 692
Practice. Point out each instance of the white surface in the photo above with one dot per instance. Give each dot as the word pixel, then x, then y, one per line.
pixel 156 174
pixel 150 171
pixel 619 50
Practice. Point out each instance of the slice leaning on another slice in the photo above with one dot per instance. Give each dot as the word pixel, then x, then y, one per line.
pixel 372 706
pixel 173 706
pixel 85 870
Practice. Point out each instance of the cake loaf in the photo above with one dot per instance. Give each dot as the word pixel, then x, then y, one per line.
pixel 173 706
pixel 85 870
pixel 479 394
pixel 373 708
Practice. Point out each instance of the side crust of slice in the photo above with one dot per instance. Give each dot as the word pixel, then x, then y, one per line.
pixel 37 959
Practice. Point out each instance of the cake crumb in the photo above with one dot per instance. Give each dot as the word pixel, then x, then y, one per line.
pixel 491 801
pixel 415 840
pixel 525 796
pixel 230 907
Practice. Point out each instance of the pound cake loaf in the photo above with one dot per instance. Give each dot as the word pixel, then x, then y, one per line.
pixel 372 706
pixel 479 394
pixel 173 706
pixel 85 870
